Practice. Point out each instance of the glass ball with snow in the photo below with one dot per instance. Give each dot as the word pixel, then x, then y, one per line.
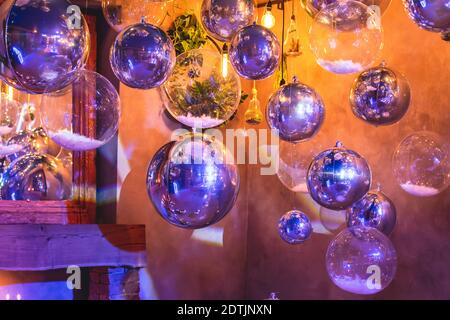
pixel 421 164
pixel 346 37
pixel 204 90
pixel 83 116
pixel 361 260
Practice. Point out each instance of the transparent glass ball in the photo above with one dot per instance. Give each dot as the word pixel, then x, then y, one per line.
pixel 294 160
pixel 9 114
pixel 421 164
pixel 201 93
pixel 361 260
pixel 123 13
pixel 83 116
pixel 314 6
pixel 346 37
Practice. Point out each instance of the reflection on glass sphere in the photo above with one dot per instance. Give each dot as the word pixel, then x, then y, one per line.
pixel 374 210
pixel 43 47
pixel 294 227
pixel 194 182
pixel 223 18
pixel 61 112
pixel 31 141
pixel 380 96
pixel 346 37
pixel 142 56
pixel 296 111
pixel 361 260
pixel 123 13
pixel 36 177
pixel 431 15
pixel 255 52
pixel 314 6
pixel 9 114
pixel 201 95
pixel 421 164
pixel 294 161
pixel 338 177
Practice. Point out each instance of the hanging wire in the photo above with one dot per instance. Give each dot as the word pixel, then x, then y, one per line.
pixel 283 81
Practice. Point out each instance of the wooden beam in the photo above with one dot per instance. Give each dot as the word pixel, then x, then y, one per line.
pixel 42 212
pixel 47 247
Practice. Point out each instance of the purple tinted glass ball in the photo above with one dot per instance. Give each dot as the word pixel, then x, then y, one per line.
pixel 374 210
pixel 338 177
pixel 142 56
pixel 255 52
pixel 296 111
pixel 431 15
pixel 380 96
pixel 44 44
pixel 295 227
pixel 192 182
pixel 223 18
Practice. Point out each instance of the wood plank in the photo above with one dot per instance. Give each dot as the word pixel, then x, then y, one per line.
pixel 47 247
pixel 42 212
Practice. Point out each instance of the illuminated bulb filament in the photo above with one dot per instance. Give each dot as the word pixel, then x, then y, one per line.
pixel 268 19
pixel 225 65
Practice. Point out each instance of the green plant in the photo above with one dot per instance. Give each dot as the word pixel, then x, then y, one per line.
pixel 187 33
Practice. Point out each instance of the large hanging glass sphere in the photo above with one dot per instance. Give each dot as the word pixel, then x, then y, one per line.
pixel 421 164
pixel 296 112
pixel 338 177
pixel 121 14
pixel 255 52
pixel 380 96
pixel 223 18
pixel 90 99
pixel 295 227
pixel 201 94
pixel 431 15
pixel 142 56
pixel 374 210
pixel 293 164
pixel 361 260
pixel 314 6
pixel 346 37
pixel 194 182
pixel 9 114
pixel 44 44
pixel 36 177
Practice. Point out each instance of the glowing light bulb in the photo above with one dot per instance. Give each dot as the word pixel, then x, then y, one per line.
pixel 268 19
pixel 225 64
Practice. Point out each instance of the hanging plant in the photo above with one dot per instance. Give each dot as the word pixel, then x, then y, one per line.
pixel 187 33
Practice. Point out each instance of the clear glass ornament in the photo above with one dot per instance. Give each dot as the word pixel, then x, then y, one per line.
pixel 421 164
pixel 123 13
pixel 346 37
pixel 201 95
pixel 361 260
pixel 100 108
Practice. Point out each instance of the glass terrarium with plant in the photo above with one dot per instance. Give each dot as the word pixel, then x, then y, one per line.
pixel 204 90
